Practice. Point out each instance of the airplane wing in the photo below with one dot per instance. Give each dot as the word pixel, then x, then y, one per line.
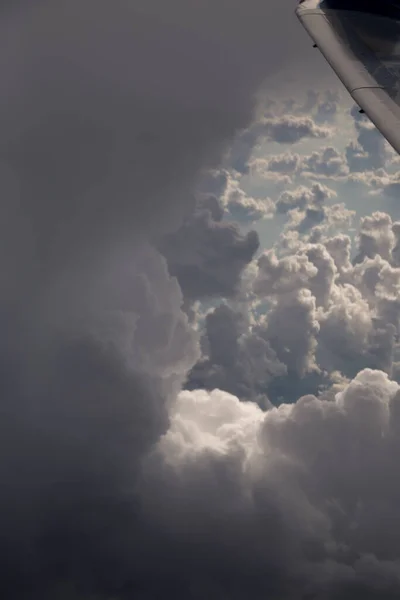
pixel 361 42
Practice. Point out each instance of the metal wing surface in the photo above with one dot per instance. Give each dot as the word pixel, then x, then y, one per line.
pixel 363 49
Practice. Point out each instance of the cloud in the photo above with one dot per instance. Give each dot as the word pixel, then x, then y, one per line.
pixel 323 106
pixel 81 405
pixel 304 197
pixel 105 128
pixel 370 151
pixel 291 129
pixel 318 219
pixel 291 329
pixel 226 185
pixel 376 236
pixel 328 107
pixel 272 125
pixel 310 313
pixel 308 213
pixel 110 116
pixel 242 207
pixel 287 274
pixel 298 501
pixel 237 359
pixel 328 162
pixel 282 164
pixel 381 182
pixel 207 255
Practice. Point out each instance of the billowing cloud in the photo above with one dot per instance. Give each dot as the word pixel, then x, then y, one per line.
pixel 327 162
pixel 242 207
pixel 296 502
pixel 304 197
pixel 273 125
pixel 318 313
pixel 317 219
pixel 208 255
pixel 82 401
pixel 237 359
pixel 280 164
pixel 283 163
pixel 376 236
pixel 292 129
pixel 111 113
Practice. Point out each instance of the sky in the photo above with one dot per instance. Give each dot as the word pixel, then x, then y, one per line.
pixel 200 310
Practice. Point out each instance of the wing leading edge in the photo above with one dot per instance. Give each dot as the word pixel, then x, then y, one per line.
pixel 364 51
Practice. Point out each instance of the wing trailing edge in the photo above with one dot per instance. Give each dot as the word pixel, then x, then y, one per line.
pixel 370 76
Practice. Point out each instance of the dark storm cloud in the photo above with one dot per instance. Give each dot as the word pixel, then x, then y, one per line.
pixel 109 113
pixel 82 401
pixel 145 113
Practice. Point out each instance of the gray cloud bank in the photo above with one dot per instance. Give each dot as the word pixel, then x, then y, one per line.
pixel 109 112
